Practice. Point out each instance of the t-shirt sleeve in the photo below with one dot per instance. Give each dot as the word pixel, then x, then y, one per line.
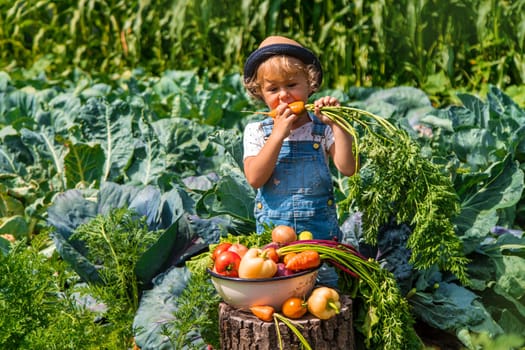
pixel 253 140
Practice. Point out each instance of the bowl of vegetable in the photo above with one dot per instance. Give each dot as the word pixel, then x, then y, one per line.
pixel 273 291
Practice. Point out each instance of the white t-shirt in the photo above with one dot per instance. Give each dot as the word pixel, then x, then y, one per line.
pixel 253 140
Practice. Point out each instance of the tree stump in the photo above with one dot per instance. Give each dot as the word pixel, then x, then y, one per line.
pixel 240 330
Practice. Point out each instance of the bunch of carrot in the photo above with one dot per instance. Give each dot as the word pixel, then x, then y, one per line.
pixel 344 116
pixel 388 317
pixel 396 162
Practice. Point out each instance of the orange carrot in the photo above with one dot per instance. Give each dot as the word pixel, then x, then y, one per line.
pixel 288 256
pixel 263 312
pixel 307 259
pixel 297 107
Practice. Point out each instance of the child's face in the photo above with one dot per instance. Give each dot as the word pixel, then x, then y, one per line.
pixel 283 85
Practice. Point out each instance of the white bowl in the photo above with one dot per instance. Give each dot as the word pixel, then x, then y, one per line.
pixel 243 292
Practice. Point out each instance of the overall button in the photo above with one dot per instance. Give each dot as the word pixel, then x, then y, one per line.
pixel 316 145
pixel 259 205
pixel 330 202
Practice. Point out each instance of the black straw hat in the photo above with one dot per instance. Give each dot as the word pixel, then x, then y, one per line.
pixel 286 47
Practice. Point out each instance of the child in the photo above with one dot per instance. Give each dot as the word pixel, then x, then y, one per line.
pixel 286 158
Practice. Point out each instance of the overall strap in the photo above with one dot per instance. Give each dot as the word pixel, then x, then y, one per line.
pixel 267 126
pixel 319 127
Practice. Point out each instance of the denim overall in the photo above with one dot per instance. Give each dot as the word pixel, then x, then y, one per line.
pixel 300 191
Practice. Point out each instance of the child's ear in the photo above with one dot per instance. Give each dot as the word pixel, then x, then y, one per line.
pixel 311 88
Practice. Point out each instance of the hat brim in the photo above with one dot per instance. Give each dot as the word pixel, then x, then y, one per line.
pixel 260 55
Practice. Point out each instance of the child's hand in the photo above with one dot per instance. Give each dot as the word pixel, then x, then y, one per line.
pixel 321 102
pixel 283 121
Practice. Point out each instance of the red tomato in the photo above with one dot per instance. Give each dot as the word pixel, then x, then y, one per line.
pixel 227 264
pixel 283 234
pixel 238 248
pixel 222 247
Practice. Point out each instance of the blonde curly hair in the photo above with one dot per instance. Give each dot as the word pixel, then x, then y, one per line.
pixel 287 66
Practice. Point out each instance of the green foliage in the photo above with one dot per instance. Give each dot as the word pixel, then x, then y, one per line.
pixel 197 312
pixel 38 307
pixel 508 341
pixel 439 46
pixel 480 146
pixel 169 134
pixel 145 131
pixel 396 182
pixel 116 241
pixel 399 182
pixel 382 327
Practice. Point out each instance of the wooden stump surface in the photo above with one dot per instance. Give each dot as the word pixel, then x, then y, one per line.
pixel 241 330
